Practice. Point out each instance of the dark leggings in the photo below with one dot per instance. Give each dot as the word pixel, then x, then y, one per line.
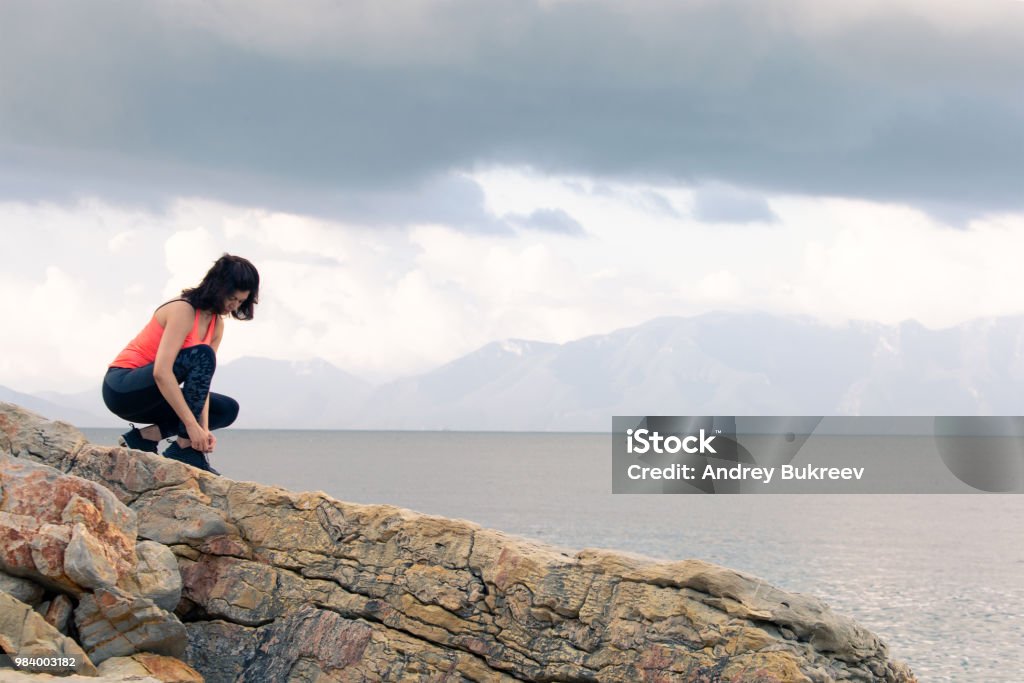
pixel 132 393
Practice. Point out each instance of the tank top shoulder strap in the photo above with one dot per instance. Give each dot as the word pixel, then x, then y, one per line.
pixel 171 301
pixel 195 322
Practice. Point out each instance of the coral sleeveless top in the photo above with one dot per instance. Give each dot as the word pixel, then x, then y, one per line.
pixel 142 350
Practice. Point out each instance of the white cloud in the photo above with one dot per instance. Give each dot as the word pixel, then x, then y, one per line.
pixel 122 241
pixel 56 337
pixel 721 286
pixel 890 263
pixel 382 303
pixel 188 254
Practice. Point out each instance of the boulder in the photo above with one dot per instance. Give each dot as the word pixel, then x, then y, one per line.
pixel 71 536
pixel 64 532
pixel 58 613
pixel 25 677
pixel 149 666
pixel 157 573
pixel 85 560
pixel 112 623
pixel 24 590
pixel 21 431
pixel 298 586
pixel 24 632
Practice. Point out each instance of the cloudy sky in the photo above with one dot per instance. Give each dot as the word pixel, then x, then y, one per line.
pixel 415 179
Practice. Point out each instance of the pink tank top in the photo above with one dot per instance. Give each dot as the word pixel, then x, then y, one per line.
pixel 142 350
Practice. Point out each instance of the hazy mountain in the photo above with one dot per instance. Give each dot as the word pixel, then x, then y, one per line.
pixel 717 364
pixel 291 394
pixel 273 393
pixel 57 409
pixel 503 385
pixel 724 364
pixel 88 402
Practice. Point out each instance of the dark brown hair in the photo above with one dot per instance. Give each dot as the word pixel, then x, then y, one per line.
pixel 228 275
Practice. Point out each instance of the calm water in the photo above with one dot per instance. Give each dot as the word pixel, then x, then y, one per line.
pixel 940 578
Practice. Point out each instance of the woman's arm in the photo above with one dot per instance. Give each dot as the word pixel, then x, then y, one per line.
pixel 205 421
pixel 180 316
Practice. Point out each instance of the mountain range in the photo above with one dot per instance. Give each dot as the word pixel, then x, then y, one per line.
pixel 714 364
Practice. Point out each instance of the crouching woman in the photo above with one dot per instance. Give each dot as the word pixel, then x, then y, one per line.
pixel 162 378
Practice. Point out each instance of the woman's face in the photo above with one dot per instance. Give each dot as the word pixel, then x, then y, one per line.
pixel 232 303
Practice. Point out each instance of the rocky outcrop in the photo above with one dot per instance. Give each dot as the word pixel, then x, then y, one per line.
pixel 74 538
pixel 147 666
pixel 296 586
pixel 24 632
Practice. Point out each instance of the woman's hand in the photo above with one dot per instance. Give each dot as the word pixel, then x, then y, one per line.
pixel 201 438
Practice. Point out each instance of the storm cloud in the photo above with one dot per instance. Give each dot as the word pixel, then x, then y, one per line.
pixel 341 109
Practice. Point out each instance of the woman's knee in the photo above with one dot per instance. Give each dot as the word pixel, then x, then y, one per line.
pixel 206 353
pixel 200 358
pixel 231 408
pixel 223 411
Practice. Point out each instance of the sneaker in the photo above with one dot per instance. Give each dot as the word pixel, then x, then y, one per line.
pixel 133 439
pixel 189 456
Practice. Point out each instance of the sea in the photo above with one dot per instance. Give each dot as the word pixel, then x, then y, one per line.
pixel 940 578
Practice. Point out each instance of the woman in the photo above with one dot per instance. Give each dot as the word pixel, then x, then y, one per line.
pixel 163 376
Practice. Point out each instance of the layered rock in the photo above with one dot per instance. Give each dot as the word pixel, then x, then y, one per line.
pixel 24 632
pixel 70 564
pixel 112 623
pixel 66 533
pixel 145 666
pixel 297 586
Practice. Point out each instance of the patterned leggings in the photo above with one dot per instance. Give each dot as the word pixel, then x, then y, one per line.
pixel 132 393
